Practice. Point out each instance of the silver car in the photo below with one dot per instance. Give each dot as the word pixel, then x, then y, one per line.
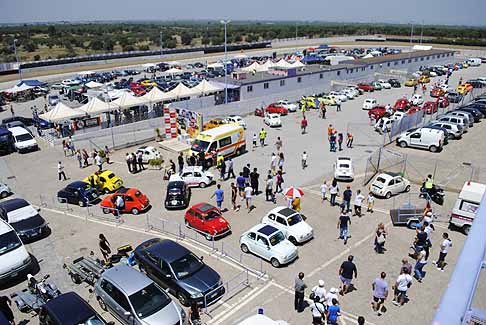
pixel 132 298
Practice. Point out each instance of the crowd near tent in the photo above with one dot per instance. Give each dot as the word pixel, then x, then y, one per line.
pixel 61 112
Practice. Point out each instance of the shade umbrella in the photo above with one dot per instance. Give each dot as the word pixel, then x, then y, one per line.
pixel 293 192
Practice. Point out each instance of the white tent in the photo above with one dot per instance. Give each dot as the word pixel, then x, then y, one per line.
pixel 206 87
pixel 367 56
pixel 16 89
pixel 267 65
pixel 62 112
pixel 283 64
pixel 156 95
pixel 174 71
pixel 182 91
pixel 216 65
pixel 93 84
pixel 149 65
pixel 96 106
pixel 297 64
pixel 127 100
pixel 255 66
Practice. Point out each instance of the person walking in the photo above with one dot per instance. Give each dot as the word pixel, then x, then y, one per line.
pixel 332 142
pixel 340 139
pixel 234 194
pixel 262 135
pixel 343 224
pixel 370 200
pixel 231 171
pixel 406 267
pixel 281 161
pixel 120 205
pixel 279 182
pixel 361 320
pixel 273 164
pixel 323 111
pixel 318 311
pixel 380 238
pixel 419 265
pixel 79 158
pixel 303 125
pixel 444 248
pixel 248 197
pixel 99 162
pixel 338 105
pixel 134 163
pixel 269 196
pixel 254 177
pixel 180 162
pixel 107 155
pixel 333 191
pixel 195 314
pixel 333 312
pixel 219 194
pixel 222 170
pixel 104 247
pixel 128 159
pixel 254 140
pixel 319 291
pixel 403 282
pixel 278 144
pixel 347 195
pixel 349 142
pixel 358 202
pixel 140 161
pixel 60 171
pixel 241 183
pixel 380 293
pixel 323 191
pixel 246 173
pixel 85 158
pixel 346 272
pixel 5 304
pixel 304 160
pixel 330 130
pixel 299 289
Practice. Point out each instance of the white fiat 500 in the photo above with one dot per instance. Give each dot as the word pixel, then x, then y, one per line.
pixel 291 223
pixel 149 153
pixel 269 243
pixel 388 184
pixel 194 176
pixel 343 169
pixel 272 120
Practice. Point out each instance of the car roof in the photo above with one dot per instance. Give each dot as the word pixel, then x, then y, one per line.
pixel 389 174
pixel 14 204
pixel 203 207
pixel 123 190
pixel 18 130
pixel 286 212
pixel 166 249
pixel 344 158
pixel 77 184
pixel 267 230
pixel 127 278
pixel 4 227
pixel 106 173
pixel 193 168
pixel 176 184
pixel 79 310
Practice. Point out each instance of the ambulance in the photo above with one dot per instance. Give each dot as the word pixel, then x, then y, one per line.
pixel 226 140
pixel 466 206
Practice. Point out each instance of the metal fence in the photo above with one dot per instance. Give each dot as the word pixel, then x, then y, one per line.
pixel 384 160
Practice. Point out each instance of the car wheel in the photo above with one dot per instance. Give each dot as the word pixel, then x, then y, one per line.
pixel 275 262
pixel 433 149
pixel 182 299
pixel 106 191
pixel 293 240
pixel 102 304
pixel 238 152
pixel 76 278
pixel 186 222
pixel 403 144
pixel 202 185
pixel 388 195
pixel 466 229
pixel 106 210
pixel 209 237
pixel 81 203
pixel 3 195
pixel 413 225
pixel 135 211
pixel 407 189
pixel 244 248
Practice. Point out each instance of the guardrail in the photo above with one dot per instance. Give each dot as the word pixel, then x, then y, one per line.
pixel 237 283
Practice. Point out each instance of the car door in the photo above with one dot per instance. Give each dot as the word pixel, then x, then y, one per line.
pixel 115 301
pixel 167 277
pixel 282 225
pixel 262 247
pixel 392 186
pixel 416 139
pixel 147 155
pixel 188 177
pixel 399 185
pixel 129 203
pixel 198 222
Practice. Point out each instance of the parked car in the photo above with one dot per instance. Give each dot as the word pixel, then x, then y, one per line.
pixel 178 195
pixel 105 181
pixel 134 201
pixel 213 124
pixel 454 131
pixel 424 79
pixel 422 138
pixel 388 184
pixel 335 95
pixel 343 169
pixel 370 103
pixel 454 97
pixel 443 101
pixel 475 114
pixel 272 120
pixel 411 82
pixel 384 84
pixel 78 193
pixel 291 107
pixel 26 121
pixel 430 107
pixel 377 112
pixel 24 218
pixel 207 219
pixel 458 120
pixel 376 85
pixel 365 87
pixel 384 125
pixel 236 119
pixel 53 100
pixel 394 83
pixel 194 176
pixel 291 223
pixel 4 190
pixel 464 89
pixel 15 261
pixel 437 92
pixel 149 153
pixel 401 104
pixel 277 109
pixel 24 141
pixel 178 270
pixel 269 243
pixel 416 99
pixel 466 116
pixel 412 110
pixel 132 298
pixel 397 116
pixel 80 312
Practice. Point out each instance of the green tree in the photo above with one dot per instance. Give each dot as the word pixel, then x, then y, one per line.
pixel 30 47
pixel 37 57
pixel 186 38
pixel 96 45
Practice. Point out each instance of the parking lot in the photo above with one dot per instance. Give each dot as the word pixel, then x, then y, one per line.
pixel 33 176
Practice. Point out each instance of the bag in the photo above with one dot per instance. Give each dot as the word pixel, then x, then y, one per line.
pixel 312 295
pixel 381 239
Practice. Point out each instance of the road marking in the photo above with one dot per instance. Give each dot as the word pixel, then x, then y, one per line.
pixel 240 304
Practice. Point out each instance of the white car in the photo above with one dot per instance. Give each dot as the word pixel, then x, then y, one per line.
pixel 353 91
pixel 416 99
pixel 397 116
pixel 14 258
pixel 348 93
pixel 343 169
pixel 341 97
pixel 149 153
pixel 291 223
pixel 236 119
pixel 259 319
pixel 388 184
pixel 71 82
pixel 269 243
pixel 384 84
pixel 432 74
pixel 272 120
pixel 370 103
pixel 24 141
pixel 194 176
pixel 4 191
pixel 292 107
pixel 384 125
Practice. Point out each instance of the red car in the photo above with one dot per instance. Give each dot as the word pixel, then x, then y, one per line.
pixel 443 101
pixel 401 104
pixel 134 201
pixel 437 92
pixel 413 110
pixel 430 107
pixel 207 219
pixel 276 108
pixel 365 87
pixel 377 112
pixel 137 89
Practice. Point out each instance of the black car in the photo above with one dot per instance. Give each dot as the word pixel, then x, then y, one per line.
pixel 477 115
pixel 394 83
pixel 176 268
pixel 475 83
pixel 178 195
pixel 27 121
pixel 454 97
pixel 79 193
pixel 478 105
pixel 26 220
pixel 69 309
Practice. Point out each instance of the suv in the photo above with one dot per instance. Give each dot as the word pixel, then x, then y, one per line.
pixel 24 141
pixel 454 131
pixel 26 220
pixel 425 138
pixel 14 258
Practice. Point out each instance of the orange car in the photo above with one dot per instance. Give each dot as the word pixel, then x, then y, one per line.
pixel 464 88
pixel 213 124
pixel 437 92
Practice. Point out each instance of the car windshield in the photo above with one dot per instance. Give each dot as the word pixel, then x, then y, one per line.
pixel 277 238
pixel 211 215
pixel 186 266
pixel 23 137
pixel 149 300
pixel 294 219
pixel 200 145
pixel 93 320
pixel 343 166
pixel 8 242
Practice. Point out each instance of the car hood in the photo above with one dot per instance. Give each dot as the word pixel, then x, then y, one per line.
pixel 13 259
pixel 204 280
pixel 28 224
pixel 218 223
pixel 301 228
pixel 284 248
pixel 170 314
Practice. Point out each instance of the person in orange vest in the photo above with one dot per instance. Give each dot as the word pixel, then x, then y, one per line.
pixel 330 131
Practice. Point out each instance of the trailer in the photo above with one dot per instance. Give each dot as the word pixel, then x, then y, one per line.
pixel 85 269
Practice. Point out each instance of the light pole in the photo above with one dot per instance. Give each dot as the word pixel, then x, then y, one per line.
pixel 225 23
pixel 17 59
pixel 161 43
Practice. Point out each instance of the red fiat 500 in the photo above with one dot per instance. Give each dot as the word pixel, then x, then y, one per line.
pixel 401 104
pixel 430 107
pixel 207 219
pixel 134 201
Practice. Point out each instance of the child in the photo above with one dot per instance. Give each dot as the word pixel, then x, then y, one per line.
pixel 371 201
pixel 323 191
pixel 304 160
pixel 254 140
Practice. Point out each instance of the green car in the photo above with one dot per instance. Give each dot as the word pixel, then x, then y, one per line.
pixel 376 85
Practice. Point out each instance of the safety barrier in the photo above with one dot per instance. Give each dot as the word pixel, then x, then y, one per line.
pixel 231 287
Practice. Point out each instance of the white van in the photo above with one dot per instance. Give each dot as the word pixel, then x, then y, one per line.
pixel 474 62
pixel 24 141
pixel 14 258
pixel 466 205
pixel 458 120
pixel 369 103
pixel 424 138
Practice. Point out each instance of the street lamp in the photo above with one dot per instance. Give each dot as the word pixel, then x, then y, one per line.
pixel 17 59
pixel 161 43
pixel 225 23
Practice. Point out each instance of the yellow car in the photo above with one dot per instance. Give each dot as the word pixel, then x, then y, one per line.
pixel 148 83
pixel 424 79
pixel 465 65
pixel 327 100
pixel 411 82
pixel 464 88
pixel 309 102
pixel 214 123
pixel 105 181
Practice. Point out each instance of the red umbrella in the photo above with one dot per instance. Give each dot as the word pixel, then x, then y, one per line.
pixel 293 192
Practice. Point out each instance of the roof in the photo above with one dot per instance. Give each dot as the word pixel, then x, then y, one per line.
pixel 203 207
pixel 287 212
pixel 175 184
pixel 77 184
pixel 79 310
pixel 168 250
pixel 122 190
pixel 472 191
pixel 390 174
pixel 14 204
pixel 267 230
pixel 397 57
pixel 225 128
pixel 17 130
pixel 127 278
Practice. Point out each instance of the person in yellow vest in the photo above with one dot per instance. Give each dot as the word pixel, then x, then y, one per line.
pixel 429 182
pixel 219 160
pixel 262 135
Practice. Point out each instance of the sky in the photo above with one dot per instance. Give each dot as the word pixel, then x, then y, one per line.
pixel 444 12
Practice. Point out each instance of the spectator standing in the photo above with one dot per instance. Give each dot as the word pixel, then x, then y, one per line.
pixel 338 105
pixel 107 155
pixel 281 161
pixel 234 194
pixel 330 131
pixel 406 267
pixel 273 164
pixel 347 195
pixel 319 291
pixel 5 309
pixel 278 144
pixel 303 125
pixel 419 265
pixel 248 197
pixel 340 139
pixel 318 311
pixel 361 320
pixel 444 248
pixel 380 293
pixel 358 202
pixel 332 142
pixel 269 196
pixel 79 158
pixel 404 281
pixel 299 288
pixel 370 200
pixel 134 163
pixel 180 162
pixel 231 171
pixel 350 138
pixel 99 161
pixel 323 191
pixel 254 177
pixel 140 161
pixel 380 238
pixel 346 272
pixel 85 158
pixel 332 294
pixel 304 160
pixel 343 222
pixel 240 181
pixel 219 194
pixel 246 173
pixel 254 140
pixel 222 169
pixel 323 111
pixel 60 171
pixel 262 135
pixel 333 191
pixel 12 110
pixel 279 182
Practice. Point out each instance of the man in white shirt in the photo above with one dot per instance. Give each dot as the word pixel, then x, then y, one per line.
pixel 358 202
pixel 444 248
pixel 304 160
pixel 99 162
pixel 60 171
pixel 319 291
pixel 248 197
pixel 332 294
pixel 404 281
pixel 323 191
pixel 120 204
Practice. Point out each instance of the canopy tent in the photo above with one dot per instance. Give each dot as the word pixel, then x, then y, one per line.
pixel 267 65
pixel 216 65
pixel 283 64
pixel 18 88
pixel 297 64
pixel 31 83
pixel 156 95
pixel 174 71
pixel 94 84
pixel 255 66
pixel 368 56
pixel 61 112
pixel 206 87
pixel 127 100
pixel 96 106
pixel 182 91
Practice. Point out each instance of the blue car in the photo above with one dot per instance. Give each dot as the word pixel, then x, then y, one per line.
pixel 79 193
